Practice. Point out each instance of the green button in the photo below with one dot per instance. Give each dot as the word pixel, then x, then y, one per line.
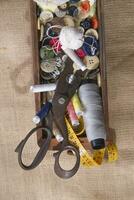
pixel 46 53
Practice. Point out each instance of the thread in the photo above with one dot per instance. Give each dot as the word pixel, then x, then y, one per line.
pixel 71 37
pixel 72 115
pixel 57 133
pixel 42 113
pixel 93 114
pixel 73 56
pixel 77 105
pixel 43 88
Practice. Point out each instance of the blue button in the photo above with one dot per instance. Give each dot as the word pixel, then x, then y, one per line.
pixel 73 11
pixel 90 46
pixel 74 1
pixel 85 24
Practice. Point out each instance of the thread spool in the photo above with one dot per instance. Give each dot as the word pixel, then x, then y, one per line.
pixel 72 115
pixel 57 133
pixel 43 88
pixel 77 105
pixel 42 113
pixel 93 115
pixel 71 54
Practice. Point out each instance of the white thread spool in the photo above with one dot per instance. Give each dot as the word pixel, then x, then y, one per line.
pixel 93 115
pixel 43 88
pixel 71 38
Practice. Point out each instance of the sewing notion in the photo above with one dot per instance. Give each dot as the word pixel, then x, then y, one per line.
pixel 70 87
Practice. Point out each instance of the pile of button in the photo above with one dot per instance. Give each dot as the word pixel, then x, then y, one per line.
pixel 73 13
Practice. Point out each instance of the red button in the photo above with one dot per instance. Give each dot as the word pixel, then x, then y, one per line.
pixel 80 53
pixel 85 6
pixel 94 23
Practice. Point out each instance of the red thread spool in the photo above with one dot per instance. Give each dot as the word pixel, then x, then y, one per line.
pixel 54 42
pixel 94 22
pixel 80 53
pixel 72 114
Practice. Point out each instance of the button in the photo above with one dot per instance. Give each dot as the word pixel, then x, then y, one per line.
pixel 73 11
pixel 92 32
pixel 80 53
pixel 85 24
pixel 68 21
pixel 85 6
pixel 92 62
pixel 90 45
pixel 46 16
pixel 46 52
pixel 74 1
pixel 63 7
pixel 94 23
pixel 48 66
pixel 59 13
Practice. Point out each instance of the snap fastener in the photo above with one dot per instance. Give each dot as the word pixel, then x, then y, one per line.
pixel 92 62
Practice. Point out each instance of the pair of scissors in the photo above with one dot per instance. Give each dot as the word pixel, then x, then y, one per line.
pixel 64 92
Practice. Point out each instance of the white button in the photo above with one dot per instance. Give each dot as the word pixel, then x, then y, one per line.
pixel 46 16
pixel 92 62
pixel 92 32
pixel 68 21
pixel 59 13
pixel 48 66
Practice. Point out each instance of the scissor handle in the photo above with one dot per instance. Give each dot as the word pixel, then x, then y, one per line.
pixel 65 174
pixel 42 151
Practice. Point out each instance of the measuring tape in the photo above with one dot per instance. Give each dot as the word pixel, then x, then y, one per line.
pixel 96 159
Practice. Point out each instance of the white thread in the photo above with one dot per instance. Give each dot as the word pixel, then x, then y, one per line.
pixel 71 37
pixel 75 58
pixel 93 111
pixel 43 88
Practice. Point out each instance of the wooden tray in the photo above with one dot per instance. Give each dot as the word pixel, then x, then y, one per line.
pixel 36 69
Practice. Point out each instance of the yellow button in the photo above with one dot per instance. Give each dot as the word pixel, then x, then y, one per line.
pixel 68 21
pixel 92 32
pixel 92 62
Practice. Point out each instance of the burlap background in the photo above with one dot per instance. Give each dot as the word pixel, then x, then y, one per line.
pixel 109 182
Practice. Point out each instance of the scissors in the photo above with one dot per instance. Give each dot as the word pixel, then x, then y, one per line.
pixel 65 90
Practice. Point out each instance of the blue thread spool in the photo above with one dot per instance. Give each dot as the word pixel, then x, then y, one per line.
pixel 42 113
pixel 90 46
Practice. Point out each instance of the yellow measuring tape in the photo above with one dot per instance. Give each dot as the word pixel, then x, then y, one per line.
pixel 96 159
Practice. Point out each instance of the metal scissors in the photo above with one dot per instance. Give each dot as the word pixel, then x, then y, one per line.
pixel 63 94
